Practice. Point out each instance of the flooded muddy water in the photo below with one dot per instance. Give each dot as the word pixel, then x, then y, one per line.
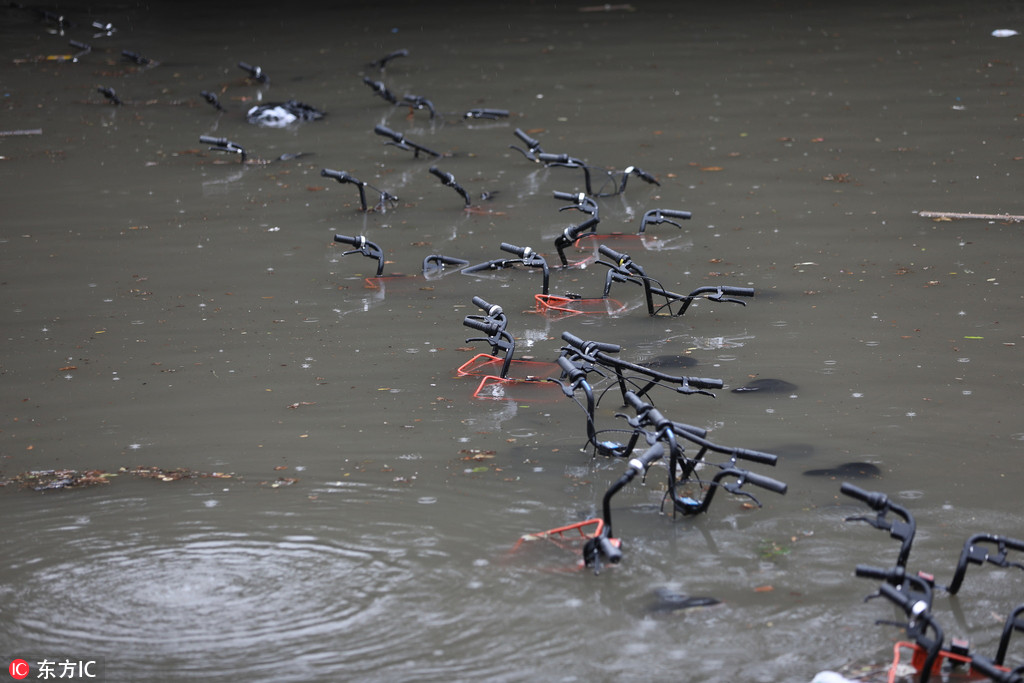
pixel 263 467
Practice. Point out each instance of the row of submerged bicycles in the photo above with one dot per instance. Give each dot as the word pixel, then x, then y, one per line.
pixel 587 371
pixel 694 467
pixel 926 653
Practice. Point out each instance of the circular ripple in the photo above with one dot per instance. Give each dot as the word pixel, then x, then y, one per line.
pixel 150 595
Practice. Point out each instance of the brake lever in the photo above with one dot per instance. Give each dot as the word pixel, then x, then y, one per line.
pixel 736 490
pixel 722 298
pixel 878 522
pixel 687 390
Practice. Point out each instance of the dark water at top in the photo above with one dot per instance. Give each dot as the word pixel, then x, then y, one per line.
pixel 166 306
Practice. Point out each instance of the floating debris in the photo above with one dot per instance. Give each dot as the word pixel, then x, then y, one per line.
pixel 282 114
pixel 52 480
pixel 848 470
pixel 766 386
pixel 666 600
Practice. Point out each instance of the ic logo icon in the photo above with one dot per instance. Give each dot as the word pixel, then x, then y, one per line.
pixel 19 669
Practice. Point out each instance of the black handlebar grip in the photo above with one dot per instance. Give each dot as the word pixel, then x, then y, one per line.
pixel 896 596
pixel 527 140
pixel 553 158
pixel 254 71
pixel 489 308
pixel 675 213
pixel 766 482
pixel 485 113
pixel 386 132
pixel 868 572
pixel 607 347
pixel 210 140
pixel 574 231
pixel 482 325
pixel 434 170
pixel 521 252
pixel 568 367
pixel 705 382
pixel 331 173
pixel 616 256
pixel 651 455
pixel 874 500
pixel 635 402
pixel 612 553
pixel 699 432
pixel 576 197
pixel 756 456
pixel 572 340
pixel 738 291
pixel 354 241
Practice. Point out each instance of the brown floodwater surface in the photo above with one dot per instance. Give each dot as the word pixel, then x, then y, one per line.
pixel 272 469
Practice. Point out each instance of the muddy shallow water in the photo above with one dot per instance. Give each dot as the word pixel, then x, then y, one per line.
pixel 337 504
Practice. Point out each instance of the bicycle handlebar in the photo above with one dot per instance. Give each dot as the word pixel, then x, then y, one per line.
pixel 527 140
pixel 255 72
pixel 589 346
pixel 572 233
pixel 765 482
pixel 489 327
pixel 687 430
pixel 647 458
pixel 521 252
pixel 866 571
pixel 736 291
pixel 874 500
pixel 340 176
pixel 446 178
pixel 702 382
pixel 209 140
pixel 990 670
pixel 974 553
pixel 387 132
pixel 357 241
pixel 616 256
pixel 493 310
pixel 756 456
pixel 565 159
pixel 486 113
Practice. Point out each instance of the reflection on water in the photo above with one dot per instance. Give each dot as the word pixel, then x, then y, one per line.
pixel 166 306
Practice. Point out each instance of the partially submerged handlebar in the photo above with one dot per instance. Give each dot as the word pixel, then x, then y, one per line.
pixel 255 72
pixel 365 247
pixel 532 145
pixel 976 552
pixel 588 347
pixel 655 216
pixel 903 529
pixel 486 113
pixel 399 140
pixel 223 145
pixel 344 177
pixel 605 546
pixel 448 180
